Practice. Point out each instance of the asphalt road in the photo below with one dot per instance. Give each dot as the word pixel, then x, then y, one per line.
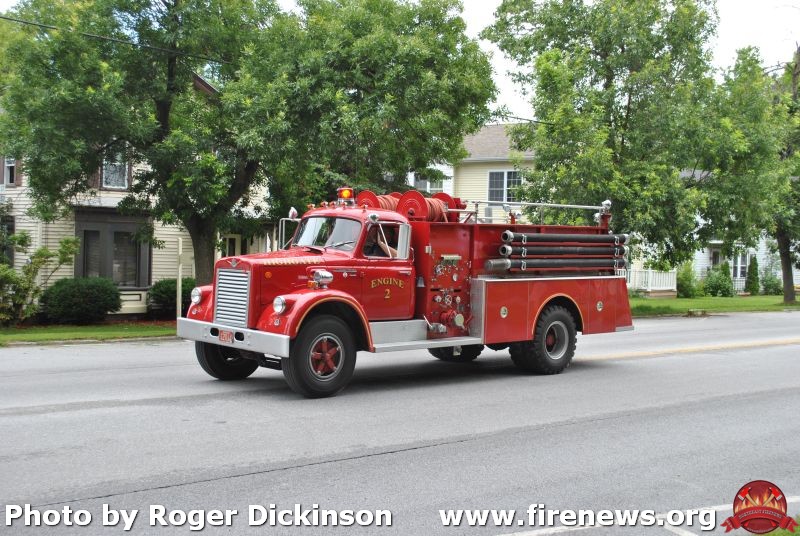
pixel 675 415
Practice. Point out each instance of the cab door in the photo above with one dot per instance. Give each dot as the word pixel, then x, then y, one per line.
pixel 388 286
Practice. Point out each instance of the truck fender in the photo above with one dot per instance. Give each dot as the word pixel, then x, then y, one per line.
pixel 306 303
pixel 566 302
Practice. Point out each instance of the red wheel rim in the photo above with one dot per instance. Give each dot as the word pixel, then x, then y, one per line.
pixel 325 357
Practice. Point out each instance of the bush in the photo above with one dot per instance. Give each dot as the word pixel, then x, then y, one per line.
pixel 21 289
pixel 80 301
pixel 751 284
pixel 162 295
pixel 771 284
pixel 719 282
pixel 687 282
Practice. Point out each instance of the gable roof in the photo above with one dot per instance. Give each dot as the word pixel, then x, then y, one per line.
pixel 491 143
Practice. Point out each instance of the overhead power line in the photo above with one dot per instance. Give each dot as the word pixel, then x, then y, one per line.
pixel 113 40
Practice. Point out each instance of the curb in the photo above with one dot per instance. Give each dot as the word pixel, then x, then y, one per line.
pixel 70 342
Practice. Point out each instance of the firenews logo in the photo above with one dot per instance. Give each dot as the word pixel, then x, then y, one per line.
pixel 759 507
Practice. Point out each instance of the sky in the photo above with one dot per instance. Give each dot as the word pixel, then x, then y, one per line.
pixel 771 25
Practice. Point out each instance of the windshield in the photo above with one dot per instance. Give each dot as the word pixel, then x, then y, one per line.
pixel 337 233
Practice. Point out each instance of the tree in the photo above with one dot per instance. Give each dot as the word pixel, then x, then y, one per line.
pixel 363 89
pixel 628 110
pixel 752 284
pixel 786 230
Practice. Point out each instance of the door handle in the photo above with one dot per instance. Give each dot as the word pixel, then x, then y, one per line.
pixel 405 272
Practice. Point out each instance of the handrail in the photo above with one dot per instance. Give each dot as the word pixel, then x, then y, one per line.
pixel 603 207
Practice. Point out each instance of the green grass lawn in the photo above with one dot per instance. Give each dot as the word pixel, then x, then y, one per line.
pixel 116 330
pixel 679 306
pixel 125 330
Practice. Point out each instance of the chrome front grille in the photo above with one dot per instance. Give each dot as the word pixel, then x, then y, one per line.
pixel 231 300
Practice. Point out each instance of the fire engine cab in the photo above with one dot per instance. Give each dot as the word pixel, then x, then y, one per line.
pixel 388 273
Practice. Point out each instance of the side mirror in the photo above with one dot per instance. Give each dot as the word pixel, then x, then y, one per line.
pixel 293 213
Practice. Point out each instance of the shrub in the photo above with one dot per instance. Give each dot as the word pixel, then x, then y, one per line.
pixel 751 284
pixel 771 284
pixel 162 294
pixel 687 282
pixel 20 289
pixel 80 301
pixel 719 282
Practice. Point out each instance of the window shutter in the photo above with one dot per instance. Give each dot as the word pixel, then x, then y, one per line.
pixel 18 172
pixel 94 179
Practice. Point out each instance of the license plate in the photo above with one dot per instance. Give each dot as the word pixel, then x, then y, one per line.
pixel 225 336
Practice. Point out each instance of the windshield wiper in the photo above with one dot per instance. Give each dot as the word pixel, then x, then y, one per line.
pixel 343 243
pixel 315 249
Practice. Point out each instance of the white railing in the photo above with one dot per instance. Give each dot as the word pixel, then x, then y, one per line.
pixel 651 280
pixel 738 284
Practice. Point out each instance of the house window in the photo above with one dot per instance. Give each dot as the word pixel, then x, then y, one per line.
pixel 716 258
pixel 125 262
pixel 740 265
pixel 9 171
pixel 502 185
pixel 430 186
pixel 109 248
pixel 115 174
pixel 91 254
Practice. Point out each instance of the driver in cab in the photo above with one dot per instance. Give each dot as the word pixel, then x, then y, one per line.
pixel 376 246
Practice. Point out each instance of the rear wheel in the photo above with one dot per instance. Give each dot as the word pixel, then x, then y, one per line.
pixel 224 363
pixel 553 344
pixel 322 358
pixel 457 354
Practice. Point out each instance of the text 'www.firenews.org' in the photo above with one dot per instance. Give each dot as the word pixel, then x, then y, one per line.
pixel 537 515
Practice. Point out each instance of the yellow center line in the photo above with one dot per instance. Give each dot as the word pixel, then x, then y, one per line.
pixel 692 350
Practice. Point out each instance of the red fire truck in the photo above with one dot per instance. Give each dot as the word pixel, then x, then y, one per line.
pixel 388 273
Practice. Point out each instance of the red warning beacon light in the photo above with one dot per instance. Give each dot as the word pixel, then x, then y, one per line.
pixel 345 195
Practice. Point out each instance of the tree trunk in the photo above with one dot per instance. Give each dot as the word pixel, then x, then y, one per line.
pixel 784 248
pixel 204 242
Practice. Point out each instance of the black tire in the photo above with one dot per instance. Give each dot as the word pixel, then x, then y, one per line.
pixel 468 353
pixel 222 362
pixel 314 374
pixel 553 344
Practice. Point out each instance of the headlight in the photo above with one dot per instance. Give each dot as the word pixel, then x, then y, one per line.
pixel 197 295
pixel 279 304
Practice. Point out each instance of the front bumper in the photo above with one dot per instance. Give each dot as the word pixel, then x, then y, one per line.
pixel 244 339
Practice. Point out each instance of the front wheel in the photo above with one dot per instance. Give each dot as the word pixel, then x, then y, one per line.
pixel 457 354
pixel 322 358
pixel 222 362
pixel 553 344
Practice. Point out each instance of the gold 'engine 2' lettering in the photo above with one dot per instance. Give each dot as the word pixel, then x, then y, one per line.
pixel 388 281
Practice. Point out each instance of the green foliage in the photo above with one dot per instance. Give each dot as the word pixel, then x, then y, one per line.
pixel 719 282
pixel 771 284
pixel 162 294
pixel 752 284
pixel 626 102
pixel 687 282
pixel 20 289
pixel 80 301
pixel 11 242
pixel 359 91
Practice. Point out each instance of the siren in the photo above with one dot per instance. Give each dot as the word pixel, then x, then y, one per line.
pixel 345 195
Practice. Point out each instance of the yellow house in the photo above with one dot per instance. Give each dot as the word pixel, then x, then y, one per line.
pixel 490 172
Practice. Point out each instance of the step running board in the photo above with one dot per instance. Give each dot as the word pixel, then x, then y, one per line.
pixel 426 343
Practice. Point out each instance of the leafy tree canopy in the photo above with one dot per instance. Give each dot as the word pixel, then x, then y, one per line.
pixel 630 111
pixel 291 103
